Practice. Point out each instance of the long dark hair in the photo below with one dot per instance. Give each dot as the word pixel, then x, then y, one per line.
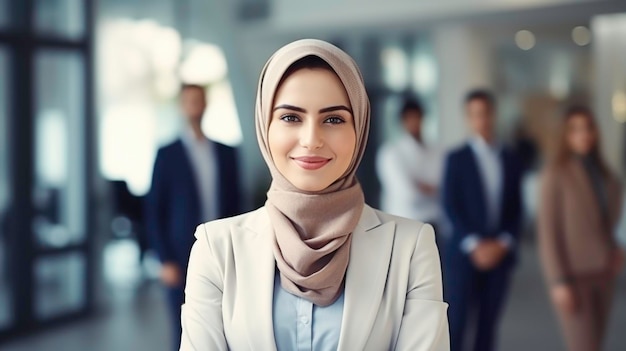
pixel 563 152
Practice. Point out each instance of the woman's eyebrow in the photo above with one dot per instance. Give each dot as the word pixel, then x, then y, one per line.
pixel 335 108
pixel 289 107
pixel 324 110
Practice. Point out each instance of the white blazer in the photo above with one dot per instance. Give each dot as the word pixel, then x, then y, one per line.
pixel 392 299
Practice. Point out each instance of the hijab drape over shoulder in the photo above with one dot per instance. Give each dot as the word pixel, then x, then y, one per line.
pixel 312 230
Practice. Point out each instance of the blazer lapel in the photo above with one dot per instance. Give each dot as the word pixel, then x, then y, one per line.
pixel 186 173
pixel 507 178
pixel 255 280
pixel 478 185
pixel 370 253
pixel 221 180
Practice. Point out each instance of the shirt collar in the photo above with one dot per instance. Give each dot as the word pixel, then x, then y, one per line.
pixel 410 139
pixel 188 137
pixel 480 145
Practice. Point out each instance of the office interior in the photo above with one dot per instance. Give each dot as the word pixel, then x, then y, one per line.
pixel 88 94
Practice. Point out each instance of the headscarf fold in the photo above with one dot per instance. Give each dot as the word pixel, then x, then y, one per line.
pixel 313 230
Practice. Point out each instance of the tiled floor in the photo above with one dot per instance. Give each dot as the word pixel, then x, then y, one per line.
pixel 139 322
pixel 133 323
pixel 529 322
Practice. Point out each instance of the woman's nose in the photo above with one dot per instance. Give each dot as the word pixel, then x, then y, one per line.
pixel 311 136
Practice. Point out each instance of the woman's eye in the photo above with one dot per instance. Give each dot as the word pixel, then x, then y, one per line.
pixel 290 118
pixel 335 120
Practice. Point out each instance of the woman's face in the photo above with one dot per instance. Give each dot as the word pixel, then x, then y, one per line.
pixel 581 135
pixel 311 135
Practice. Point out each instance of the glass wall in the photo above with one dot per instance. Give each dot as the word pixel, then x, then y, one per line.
pixel 46 273
pixel 59 181
pixel 4 14
pixel 60 18
pixel 5 195
pixel 60 285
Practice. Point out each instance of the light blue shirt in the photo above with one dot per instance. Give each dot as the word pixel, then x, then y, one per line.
pixel 490 169
pixel 299 325
pixel 203 166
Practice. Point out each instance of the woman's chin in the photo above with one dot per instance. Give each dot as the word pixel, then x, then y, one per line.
pixel 310 186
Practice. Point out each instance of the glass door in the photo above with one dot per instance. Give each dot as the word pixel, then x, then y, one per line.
pixel 46 250
pixel 59 186
pixel 6 311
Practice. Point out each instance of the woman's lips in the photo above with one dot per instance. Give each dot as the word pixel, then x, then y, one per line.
pixel 311 162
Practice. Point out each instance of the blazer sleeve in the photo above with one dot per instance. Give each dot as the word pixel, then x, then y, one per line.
pixel 201 315
pixel 549 229
pixel 424 324
pixel 156 210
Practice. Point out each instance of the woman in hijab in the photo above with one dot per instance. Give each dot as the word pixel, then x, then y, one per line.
pixel 315 268
pixel 580 207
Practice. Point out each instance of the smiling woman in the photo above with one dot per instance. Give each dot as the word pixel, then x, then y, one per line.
pixel 311 134
pixel 315 268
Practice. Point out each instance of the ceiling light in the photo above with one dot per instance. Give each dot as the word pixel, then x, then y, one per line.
pixel 525 39
pixel 581 35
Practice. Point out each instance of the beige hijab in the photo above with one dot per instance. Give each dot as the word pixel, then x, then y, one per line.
pixel 312 231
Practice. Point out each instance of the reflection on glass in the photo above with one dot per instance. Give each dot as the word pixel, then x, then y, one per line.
pixel 64 18
pixel 5 298
pixel 4 13
pixel 424 70
pixel 58 193
pixel 395 68
pixel 59 285
pixel 391 126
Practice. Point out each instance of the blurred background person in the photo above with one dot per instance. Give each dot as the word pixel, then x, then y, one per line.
pixel 410 171
pixel 195 180
pixel 580 204
pixel 482 200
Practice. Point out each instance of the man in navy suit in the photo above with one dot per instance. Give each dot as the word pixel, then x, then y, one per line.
pixel 195 180
pixel 481 194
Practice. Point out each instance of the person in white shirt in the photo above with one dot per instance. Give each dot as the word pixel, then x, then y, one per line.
pixel 410 171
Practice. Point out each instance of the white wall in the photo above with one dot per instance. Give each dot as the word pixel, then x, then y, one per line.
pixel 289 13
pixel 464 59
pixel 609 57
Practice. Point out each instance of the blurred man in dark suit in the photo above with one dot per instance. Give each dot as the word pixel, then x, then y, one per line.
pixel 195 180
pixel 482 201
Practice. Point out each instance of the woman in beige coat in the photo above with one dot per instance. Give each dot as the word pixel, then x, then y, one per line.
pixel 579 209
pixel 315 268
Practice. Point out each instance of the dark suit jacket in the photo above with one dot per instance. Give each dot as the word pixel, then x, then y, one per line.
pixel 464 198
pixel 173 204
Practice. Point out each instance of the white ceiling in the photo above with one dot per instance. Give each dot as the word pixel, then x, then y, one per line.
pixel 290 14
